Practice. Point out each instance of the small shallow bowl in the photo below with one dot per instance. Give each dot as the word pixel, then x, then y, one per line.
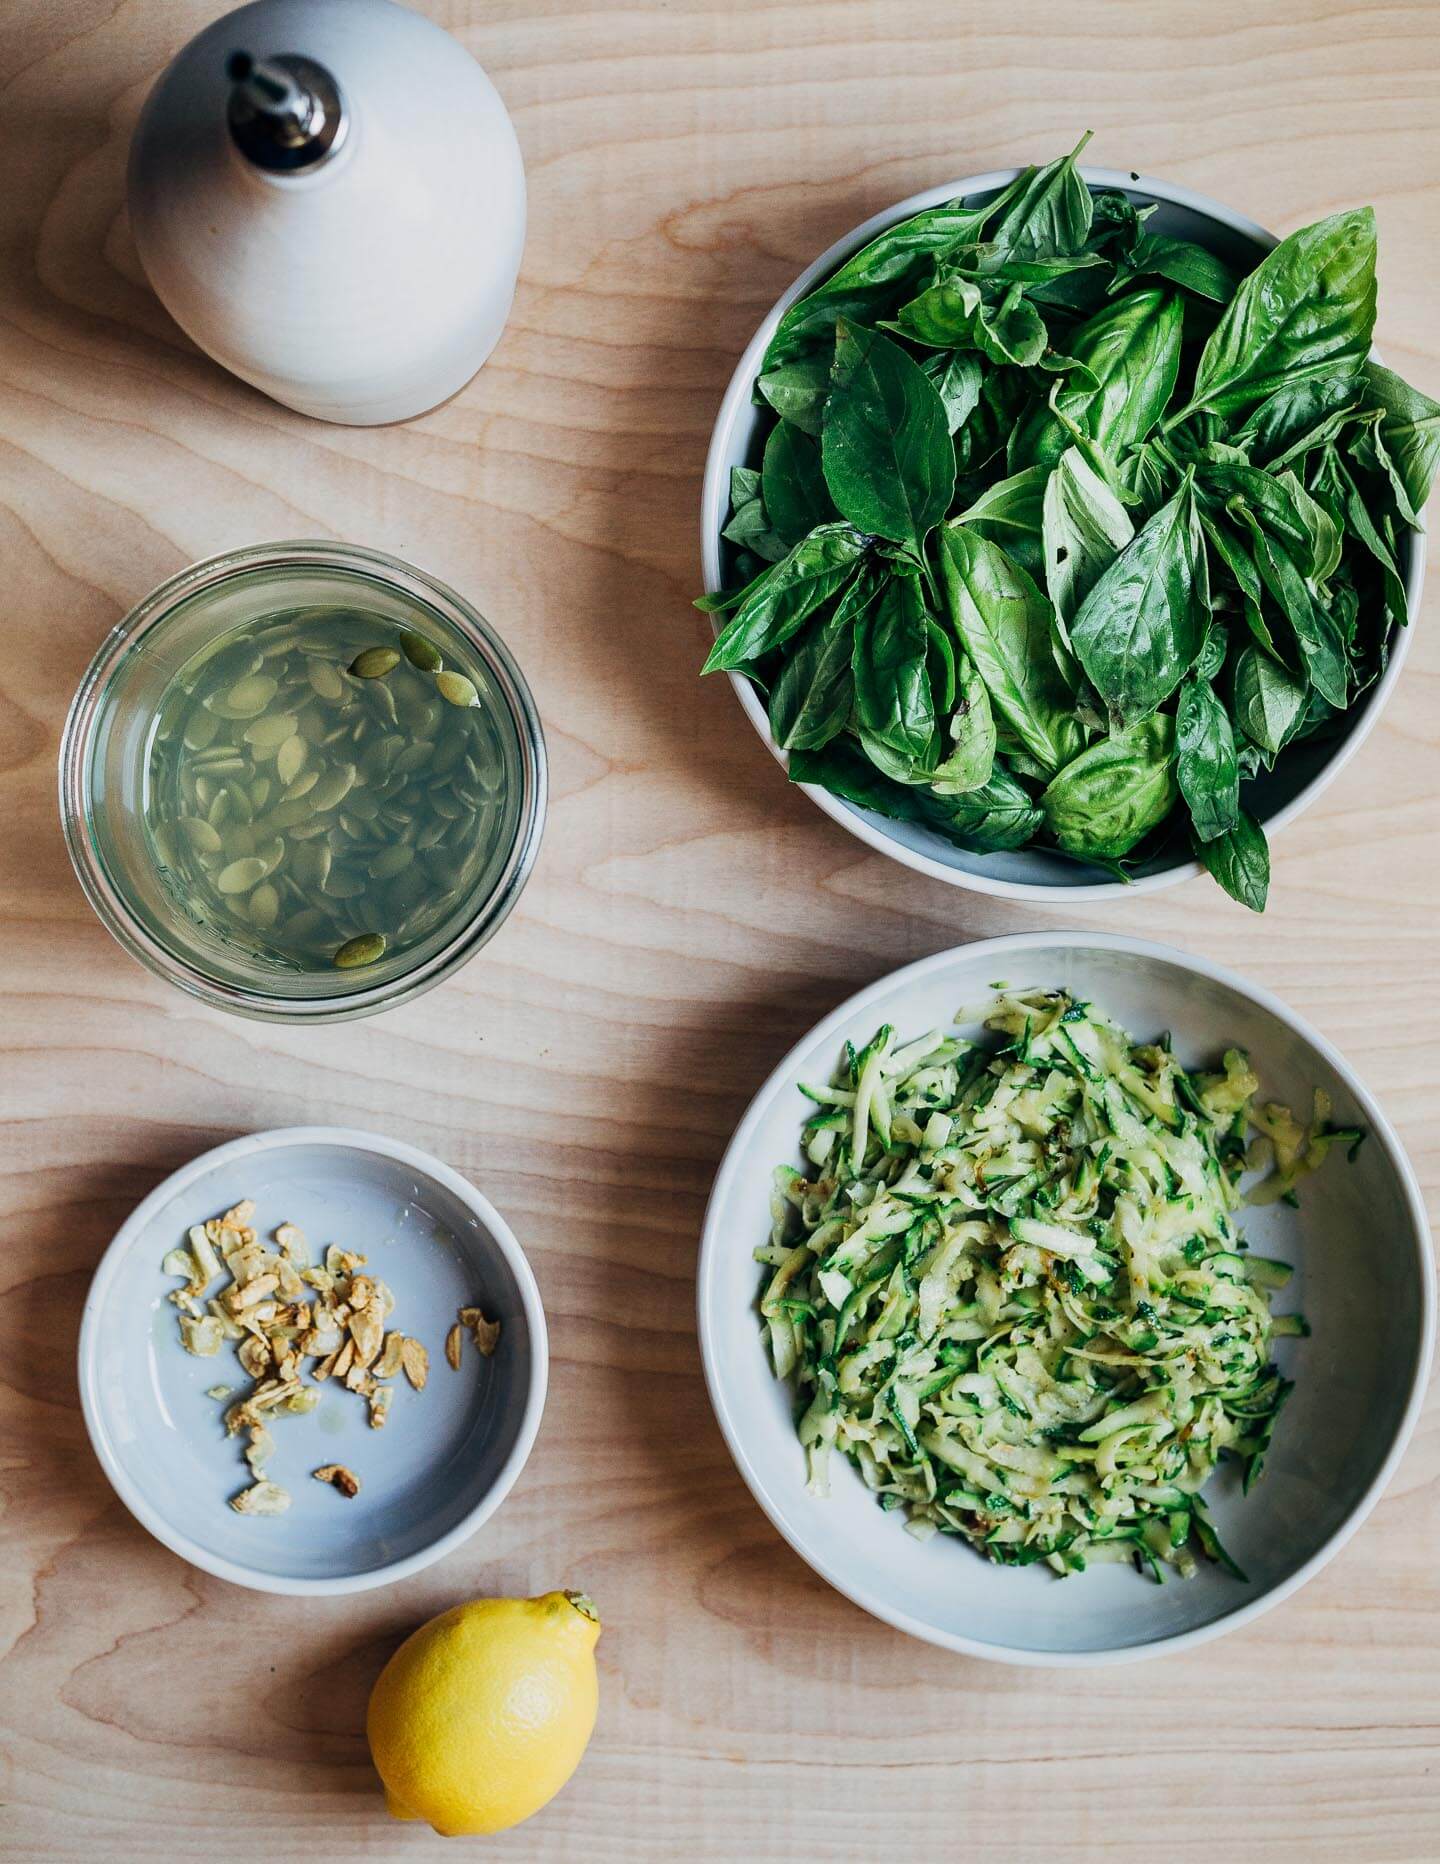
pixel 1037 874
pixel 447 1456
pixel 1363 1279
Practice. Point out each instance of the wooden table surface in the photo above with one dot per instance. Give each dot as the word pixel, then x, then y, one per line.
pixel 688 919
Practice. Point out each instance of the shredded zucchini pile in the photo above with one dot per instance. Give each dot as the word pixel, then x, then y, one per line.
pixel 1012 1291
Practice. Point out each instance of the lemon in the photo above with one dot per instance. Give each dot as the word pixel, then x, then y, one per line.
pixel 482 1715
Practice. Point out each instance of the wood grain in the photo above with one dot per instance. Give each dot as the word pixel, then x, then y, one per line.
pixel 689 917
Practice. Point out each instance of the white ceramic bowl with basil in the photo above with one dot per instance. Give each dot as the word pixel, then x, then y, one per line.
pixel 1273 797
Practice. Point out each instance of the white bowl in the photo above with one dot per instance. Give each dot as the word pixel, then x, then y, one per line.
pixel 1364 1280
pixel 1033 873
pixel 447 1456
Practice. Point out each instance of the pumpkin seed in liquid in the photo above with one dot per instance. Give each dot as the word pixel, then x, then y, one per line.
pixel 248 698
pixel 391 861
pixel 240 876
pixel 363 950
pixel 200 835
pixel 421 653
pixel 333 787
pixel 375 663
pixel 325 681
pixel 299 796
pixel 200 730
pixel 455 689
pixel 264 907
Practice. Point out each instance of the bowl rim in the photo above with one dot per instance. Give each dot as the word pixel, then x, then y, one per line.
pixel 109 900
pixel 714 500
pixel 713 1242
pixel 108 1269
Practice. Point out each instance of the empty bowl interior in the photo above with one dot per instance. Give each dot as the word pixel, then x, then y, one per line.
pixel 1357 1243
pixel 1273 797
pixel 440 1453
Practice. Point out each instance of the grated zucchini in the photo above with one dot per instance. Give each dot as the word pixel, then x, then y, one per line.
pixel 1015 1296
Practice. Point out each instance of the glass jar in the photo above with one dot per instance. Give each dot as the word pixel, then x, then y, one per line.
pixel 109 745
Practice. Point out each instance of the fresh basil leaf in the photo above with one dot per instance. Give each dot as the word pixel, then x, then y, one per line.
pixel 796 496
pixel 1052 213
pixel 957 378
pixel 750 529
pixel 1238 562
pixel 896 765
pixel 1319 553
pixel 1211 657
pixel 997 816
pixel 943 315
pixel 1141 626
pixel 1205 765
pixel 1004 393
pixel 1146 477
pixel 1110 797
pixel 942 664
pixel 1116 224
pixel 873 279
pixel 996 265
pixel 721 599
pixel 1005 625
pixel 1252 761
pixel 888 457
pixel 956 313
pixel 1282 505
pixel 1056 362
pixel 1084 527
pixel 1335 487
pixel 971 759
pixel 1269 700
pixel 797 391
pixel 1071 283
pixel 1011 513
pixel 1322 649
pixel 1240 861
pixel 843 769
pixel 1410 431
pixel 1011 331
pixel 1132 350
pixel 779 603
pixel 893 702
pixel 1308 309
pixel 811 700
pixel 1178 261
pixel 1298 417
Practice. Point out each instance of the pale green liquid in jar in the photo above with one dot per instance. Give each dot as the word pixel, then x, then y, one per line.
pixel 317 820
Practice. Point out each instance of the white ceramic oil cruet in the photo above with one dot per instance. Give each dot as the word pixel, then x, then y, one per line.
pixel 328 197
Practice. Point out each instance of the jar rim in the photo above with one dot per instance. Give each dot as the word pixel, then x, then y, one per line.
pixel 109 900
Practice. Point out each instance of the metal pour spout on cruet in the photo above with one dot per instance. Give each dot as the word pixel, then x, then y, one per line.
pixel 285 113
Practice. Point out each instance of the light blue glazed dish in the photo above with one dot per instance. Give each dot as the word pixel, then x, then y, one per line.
pixel 446 1457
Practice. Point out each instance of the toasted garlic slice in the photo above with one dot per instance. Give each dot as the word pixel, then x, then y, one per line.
pixel 339 1477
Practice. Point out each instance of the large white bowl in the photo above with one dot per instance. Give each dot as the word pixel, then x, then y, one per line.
pixel 447 1456
pixel 1364 1280
pixel 1032 873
